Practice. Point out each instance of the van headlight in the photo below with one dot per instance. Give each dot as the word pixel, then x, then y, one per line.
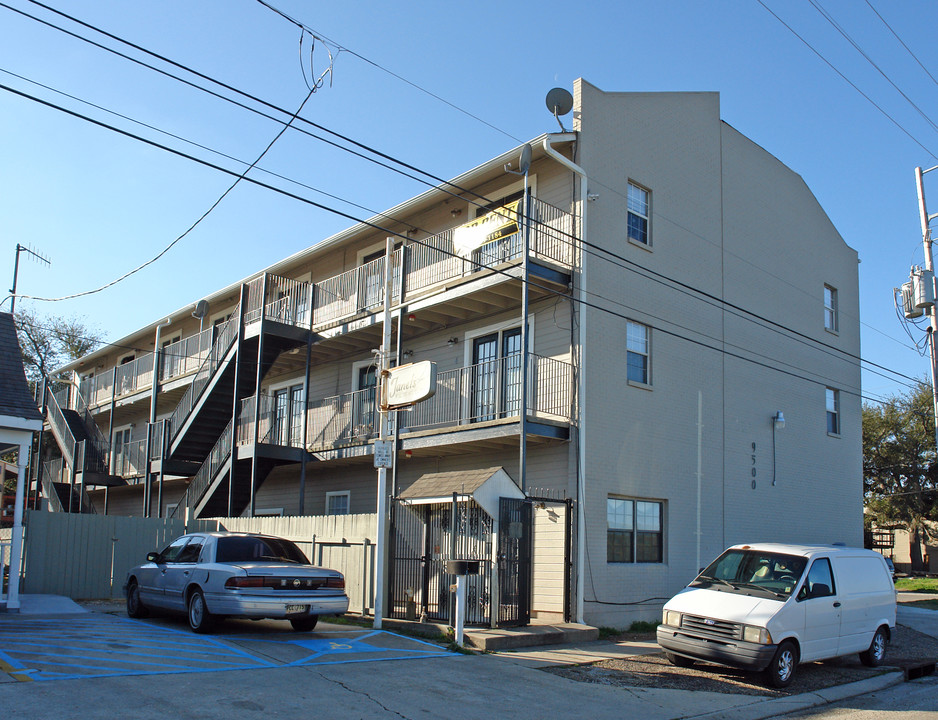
pixel 671 617
pixel 754 634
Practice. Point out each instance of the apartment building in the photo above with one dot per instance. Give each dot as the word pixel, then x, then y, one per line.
pixel 668 304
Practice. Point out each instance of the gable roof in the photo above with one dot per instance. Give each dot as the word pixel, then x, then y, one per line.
pixel 16 400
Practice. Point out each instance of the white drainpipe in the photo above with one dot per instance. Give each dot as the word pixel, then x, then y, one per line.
pixel 581 416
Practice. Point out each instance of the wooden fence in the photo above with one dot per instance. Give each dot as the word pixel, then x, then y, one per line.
pixel 88 556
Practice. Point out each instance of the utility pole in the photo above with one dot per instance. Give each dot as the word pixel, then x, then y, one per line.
pixel 930 267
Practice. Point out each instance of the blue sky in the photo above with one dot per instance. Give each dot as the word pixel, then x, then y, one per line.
pixel 99 204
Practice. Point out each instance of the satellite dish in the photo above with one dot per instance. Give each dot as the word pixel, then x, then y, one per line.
pixel 201 309
pixel 525 162
pixel 559 101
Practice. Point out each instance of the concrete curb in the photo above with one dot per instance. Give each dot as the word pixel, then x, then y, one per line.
pixel 774 707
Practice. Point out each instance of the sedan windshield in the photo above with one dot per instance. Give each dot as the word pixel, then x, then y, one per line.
pixel 744 571
pixel 258 549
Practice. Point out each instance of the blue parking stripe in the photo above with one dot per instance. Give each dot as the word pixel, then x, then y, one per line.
pixel 44 649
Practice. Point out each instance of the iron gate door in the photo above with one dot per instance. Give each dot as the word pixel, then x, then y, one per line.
pixel 514 562
pixel 424 538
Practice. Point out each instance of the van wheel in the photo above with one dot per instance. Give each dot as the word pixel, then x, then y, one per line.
pixel 873 657
pixel 781 670
pixel 679 660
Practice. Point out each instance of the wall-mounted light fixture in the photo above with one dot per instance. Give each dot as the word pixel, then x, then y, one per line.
pixel 778 422
pixel 452 341
pixel 407 354
pixel 455 212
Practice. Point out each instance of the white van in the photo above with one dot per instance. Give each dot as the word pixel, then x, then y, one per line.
pixel 767 607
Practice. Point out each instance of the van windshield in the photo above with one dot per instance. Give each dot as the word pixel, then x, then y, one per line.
pixel 747 571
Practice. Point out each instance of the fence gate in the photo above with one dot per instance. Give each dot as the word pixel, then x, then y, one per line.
pixel 514 562
pixel 424 537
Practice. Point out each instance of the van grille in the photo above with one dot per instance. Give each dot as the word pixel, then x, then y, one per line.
pixel 709 626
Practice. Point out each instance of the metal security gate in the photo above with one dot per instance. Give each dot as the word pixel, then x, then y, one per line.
pixel 424 537
pixel 514 562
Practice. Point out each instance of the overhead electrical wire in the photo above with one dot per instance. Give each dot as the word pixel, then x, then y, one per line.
pixel 901 42
pixel 372 150
pixel 849 81
pixel 440 181
pixel 386 70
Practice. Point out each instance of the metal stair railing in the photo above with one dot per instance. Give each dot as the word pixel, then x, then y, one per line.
pixel 61 430
pixel 203 478
pixel 97 459
pixel 227 335
pixel 52 473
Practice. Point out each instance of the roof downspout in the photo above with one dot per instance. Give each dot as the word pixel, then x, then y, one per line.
pixel 581 418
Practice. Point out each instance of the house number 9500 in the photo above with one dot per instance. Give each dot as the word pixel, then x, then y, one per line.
pixel 753 469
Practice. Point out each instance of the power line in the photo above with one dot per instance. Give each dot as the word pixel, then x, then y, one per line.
pixel 549 290
pixel 848 81
pixel 386 70
pixel 896 36
pixel 441 181
pixel 192 227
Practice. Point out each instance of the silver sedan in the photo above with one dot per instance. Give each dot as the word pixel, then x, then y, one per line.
pixel 213 575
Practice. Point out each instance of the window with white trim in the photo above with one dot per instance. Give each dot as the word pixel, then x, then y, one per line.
pixel 337 503
pixel 833 411
pixel 634 530
pixel 831 321
pixel 638 207
pixel 638 353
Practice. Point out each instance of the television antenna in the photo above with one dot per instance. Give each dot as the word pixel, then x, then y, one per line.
pixel 16 269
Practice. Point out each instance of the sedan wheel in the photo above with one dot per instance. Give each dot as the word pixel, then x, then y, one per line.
pixel 304 624
pixel 135 608
pixel 200 619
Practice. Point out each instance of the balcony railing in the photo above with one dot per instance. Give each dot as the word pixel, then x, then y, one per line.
pixel 338 299
pixel 276 426
pixel 478 393
pixel 342 420
pixel 491 390
pixel 185 356
pixel 130 459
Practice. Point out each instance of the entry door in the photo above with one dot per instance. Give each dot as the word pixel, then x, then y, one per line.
pixel 514 562
pixel 484 378
pixel 120 462
pixel 511 378
pixel 364 417
pixel 822 613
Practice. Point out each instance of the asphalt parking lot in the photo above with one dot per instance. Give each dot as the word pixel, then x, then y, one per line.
pixel 40 649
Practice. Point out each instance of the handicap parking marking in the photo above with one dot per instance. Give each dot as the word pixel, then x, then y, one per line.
pixel 103 646
pixel 370 646
pixel 42 649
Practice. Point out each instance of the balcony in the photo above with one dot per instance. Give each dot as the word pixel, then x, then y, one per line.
pixel 428 275
pixel 482 398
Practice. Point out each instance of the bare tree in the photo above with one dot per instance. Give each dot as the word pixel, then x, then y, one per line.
pixel 51 342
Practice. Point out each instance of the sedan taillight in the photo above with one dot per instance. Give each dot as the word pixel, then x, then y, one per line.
pixel 240 582
pixel 335 582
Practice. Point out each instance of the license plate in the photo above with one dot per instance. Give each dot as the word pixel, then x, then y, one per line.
pixel 291 609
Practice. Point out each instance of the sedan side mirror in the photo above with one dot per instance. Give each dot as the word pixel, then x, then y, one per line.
pixel 153 557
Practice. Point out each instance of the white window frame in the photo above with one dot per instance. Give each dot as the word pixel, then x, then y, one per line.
pixel 831 311
pixel 647 384
pixel 832 394
pixel 647 245
pixel 339 493
pixel 119 429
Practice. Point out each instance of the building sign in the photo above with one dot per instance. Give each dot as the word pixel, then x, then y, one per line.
pixel 384 457
pixel 409 384
pixel 497 224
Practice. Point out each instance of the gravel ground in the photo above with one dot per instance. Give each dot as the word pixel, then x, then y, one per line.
pixel 907 647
